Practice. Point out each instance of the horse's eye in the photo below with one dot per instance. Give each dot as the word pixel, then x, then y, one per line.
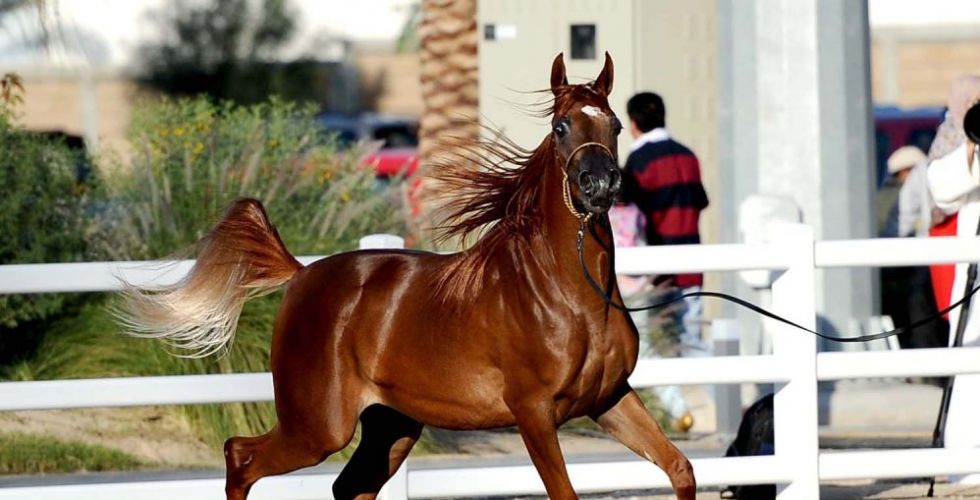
pixel 617 126
pixel 561 128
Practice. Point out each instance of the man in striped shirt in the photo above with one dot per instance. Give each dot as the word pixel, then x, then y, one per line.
pixel 662 178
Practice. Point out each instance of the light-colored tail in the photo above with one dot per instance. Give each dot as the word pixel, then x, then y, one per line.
pixel 242 257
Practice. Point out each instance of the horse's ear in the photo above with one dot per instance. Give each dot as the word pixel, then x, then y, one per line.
pixel 558 77
pixel 604 82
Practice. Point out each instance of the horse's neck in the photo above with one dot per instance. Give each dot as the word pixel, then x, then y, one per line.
pixel 561 231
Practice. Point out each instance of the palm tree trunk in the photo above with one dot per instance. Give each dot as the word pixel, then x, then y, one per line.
pixel 448 72
pixel 448 76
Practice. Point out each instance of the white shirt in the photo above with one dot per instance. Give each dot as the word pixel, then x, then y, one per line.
pixel 655 135
pixel 915 204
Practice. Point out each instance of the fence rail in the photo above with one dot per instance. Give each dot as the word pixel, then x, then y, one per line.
pixel 794 365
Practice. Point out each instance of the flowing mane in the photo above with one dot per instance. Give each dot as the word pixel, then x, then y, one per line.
pixel 488 184
pixel 490 189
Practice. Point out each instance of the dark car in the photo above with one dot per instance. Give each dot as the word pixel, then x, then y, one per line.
pixel 399 150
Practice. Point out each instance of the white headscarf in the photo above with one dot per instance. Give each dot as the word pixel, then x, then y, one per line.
pixel 963 94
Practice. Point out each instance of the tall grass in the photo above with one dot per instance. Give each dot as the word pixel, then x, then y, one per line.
pixel 192 157
pixel 33 454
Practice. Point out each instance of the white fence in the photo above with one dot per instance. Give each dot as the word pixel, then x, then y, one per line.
pixel 795 366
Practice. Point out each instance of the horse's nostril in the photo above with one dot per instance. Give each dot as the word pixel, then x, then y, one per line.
pixel 585 182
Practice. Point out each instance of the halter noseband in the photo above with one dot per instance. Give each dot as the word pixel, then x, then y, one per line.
pixel 566 190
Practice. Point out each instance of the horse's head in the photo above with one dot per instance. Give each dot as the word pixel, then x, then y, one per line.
pixel 585 132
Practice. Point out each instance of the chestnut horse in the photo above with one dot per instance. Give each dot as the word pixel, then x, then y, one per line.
pixel 505 333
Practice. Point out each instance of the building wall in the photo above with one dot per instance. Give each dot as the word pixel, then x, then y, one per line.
pixel 97 109
pixel 397 78
pixel 675 55
pixel 915 67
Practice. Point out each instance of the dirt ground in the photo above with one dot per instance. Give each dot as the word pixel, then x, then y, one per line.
pixel 151 434
pixel 856 490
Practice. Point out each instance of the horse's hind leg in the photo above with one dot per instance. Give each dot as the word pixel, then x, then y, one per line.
pixel 630 422
pixel 249 459
pixel 314 422
pixel 387 437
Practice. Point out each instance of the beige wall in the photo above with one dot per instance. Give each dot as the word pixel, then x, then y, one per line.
pixel 398 75
pixel 63 103
pixel 675 56
pixel 916 67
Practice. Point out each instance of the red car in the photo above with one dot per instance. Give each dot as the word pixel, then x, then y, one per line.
pixel 399 151
pixel 398 156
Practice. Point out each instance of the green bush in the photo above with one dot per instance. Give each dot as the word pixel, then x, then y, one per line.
pixel 42 219
pixel 190 159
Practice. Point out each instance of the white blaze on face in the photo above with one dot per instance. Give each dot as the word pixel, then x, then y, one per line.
pixel 592 111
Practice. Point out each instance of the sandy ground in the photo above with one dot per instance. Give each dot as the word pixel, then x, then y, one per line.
pixel 868 490
pixel 150 434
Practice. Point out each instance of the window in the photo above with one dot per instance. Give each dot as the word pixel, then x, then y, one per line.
pixel 397 136
pixel 583 41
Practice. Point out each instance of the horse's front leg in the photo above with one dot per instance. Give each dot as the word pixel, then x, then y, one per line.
pixel 630 423
pixel 536 421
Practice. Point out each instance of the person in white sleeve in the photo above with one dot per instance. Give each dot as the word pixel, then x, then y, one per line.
pixel 954 180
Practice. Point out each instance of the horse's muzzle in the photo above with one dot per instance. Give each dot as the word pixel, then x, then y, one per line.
pixel 599 183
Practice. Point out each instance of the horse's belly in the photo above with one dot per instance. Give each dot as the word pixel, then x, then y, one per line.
pixel 461 400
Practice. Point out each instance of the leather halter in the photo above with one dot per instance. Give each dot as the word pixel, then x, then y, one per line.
pixel 566 190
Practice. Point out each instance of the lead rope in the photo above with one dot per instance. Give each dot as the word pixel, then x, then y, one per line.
pixel 748 305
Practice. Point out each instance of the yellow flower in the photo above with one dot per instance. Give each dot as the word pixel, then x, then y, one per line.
pixel 345 196
pixel 198 148
pixel 179 131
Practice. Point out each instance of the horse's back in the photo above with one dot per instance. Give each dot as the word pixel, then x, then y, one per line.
pixel 363 282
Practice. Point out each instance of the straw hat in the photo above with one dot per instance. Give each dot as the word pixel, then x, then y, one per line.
pixel 905 157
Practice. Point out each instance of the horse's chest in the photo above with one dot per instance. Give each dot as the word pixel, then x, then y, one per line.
pixel 606 359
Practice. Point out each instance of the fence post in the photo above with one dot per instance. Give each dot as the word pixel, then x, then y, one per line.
pixel 376 241
pixel 795 405
pixel 728 397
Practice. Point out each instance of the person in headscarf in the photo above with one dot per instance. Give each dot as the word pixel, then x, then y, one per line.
pixel 954 180
pixel 910 213
pixel 907 291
